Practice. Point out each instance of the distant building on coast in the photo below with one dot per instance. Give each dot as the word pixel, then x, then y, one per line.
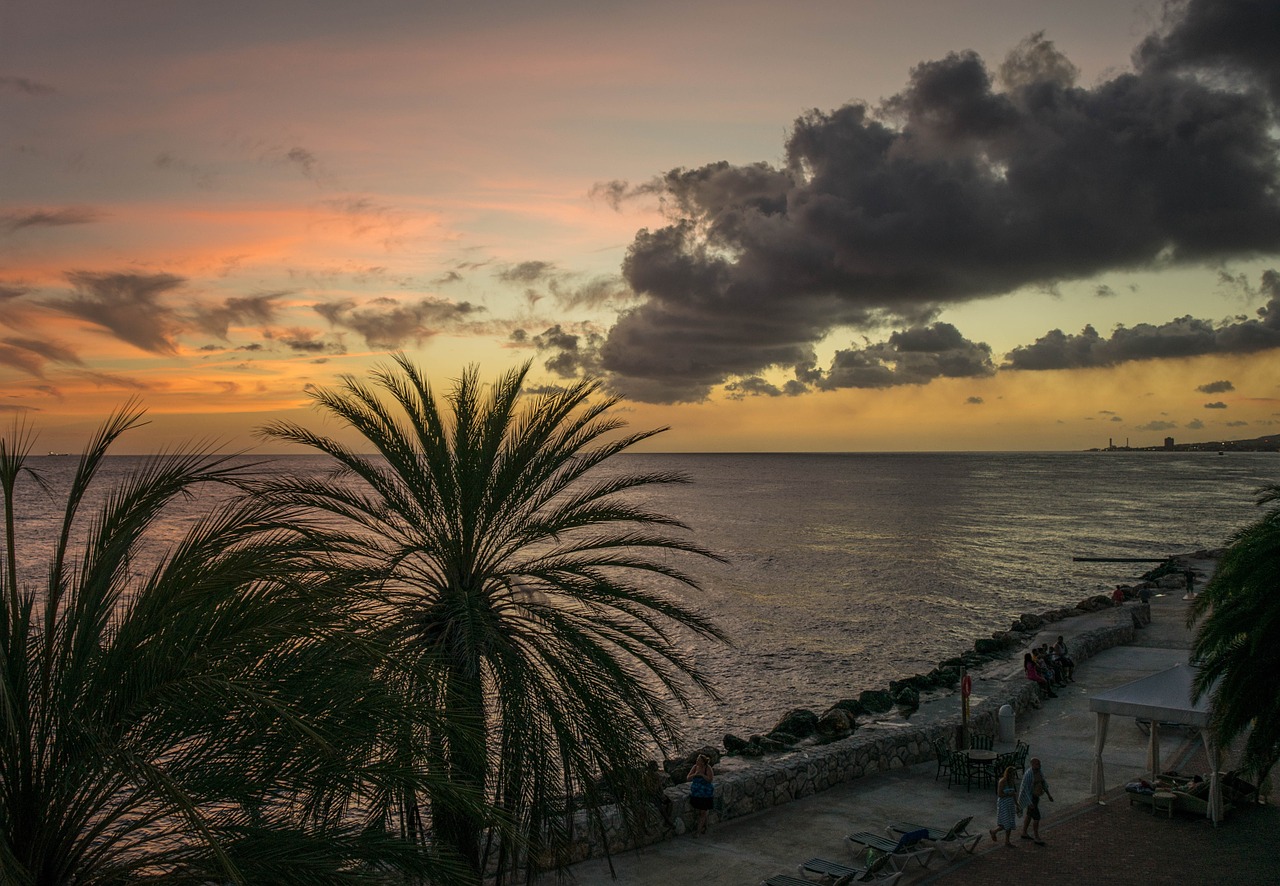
pixel 1269 443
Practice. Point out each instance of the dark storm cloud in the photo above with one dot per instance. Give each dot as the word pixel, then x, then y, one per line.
pixel 955 189
pixel 755 386
pixel 911 357
pixel 1216 387
pixel 1181 337
pixel 127 305
pixel 48 218
pixel 1232 39
pixel 388 324
pixel 217 319
pixel 571 354
pixel 25 86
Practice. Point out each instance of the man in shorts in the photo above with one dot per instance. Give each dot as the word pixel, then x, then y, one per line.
pixel 1034 786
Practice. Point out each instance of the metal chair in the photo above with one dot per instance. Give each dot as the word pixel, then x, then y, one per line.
pixel 982 742
pixel 944 759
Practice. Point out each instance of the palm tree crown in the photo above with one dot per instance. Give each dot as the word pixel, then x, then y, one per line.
pixel 523 565
pixel 210 718
pixel 1238 643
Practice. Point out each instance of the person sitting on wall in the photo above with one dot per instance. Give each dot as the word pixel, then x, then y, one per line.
pixel 1034 675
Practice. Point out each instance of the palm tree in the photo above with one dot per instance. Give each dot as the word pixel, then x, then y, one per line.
pixel 523 566
pixel 1238 642
pixel 214 717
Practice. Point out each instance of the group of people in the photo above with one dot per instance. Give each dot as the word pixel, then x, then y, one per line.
pixel 1014 798
pixel 1049 666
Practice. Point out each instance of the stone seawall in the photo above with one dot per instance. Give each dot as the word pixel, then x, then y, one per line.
pixel 804 771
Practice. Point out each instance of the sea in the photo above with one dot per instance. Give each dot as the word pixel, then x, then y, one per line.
pixel 844 571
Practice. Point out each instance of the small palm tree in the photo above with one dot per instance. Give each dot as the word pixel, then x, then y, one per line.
pixel 533 581
pixel 213 718
pixel 1238 642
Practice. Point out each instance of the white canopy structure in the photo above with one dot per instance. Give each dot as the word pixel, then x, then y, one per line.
pixel 1162 697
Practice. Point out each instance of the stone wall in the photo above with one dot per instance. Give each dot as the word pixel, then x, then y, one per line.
pixel 808 770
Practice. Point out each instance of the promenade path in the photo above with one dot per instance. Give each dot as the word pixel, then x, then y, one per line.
pixel 1087 843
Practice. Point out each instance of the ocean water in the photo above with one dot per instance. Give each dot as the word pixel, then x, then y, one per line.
pixel 845 571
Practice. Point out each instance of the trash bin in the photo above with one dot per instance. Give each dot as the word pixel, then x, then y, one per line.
pixel 1006 723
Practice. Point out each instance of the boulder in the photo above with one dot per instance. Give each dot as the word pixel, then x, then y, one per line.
pixel 1030 621
pixel 876 701
pixel 798 722
pixel 777 736
pixel 836 723
pixel 987 646
pixel 733 744
pixel 908 698
pixel 851 705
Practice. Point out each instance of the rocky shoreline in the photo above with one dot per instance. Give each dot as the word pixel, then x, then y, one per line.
pixel 897 726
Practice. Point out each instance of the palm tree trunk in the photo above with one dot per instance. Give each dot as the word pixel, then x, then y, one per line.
pixel 457 821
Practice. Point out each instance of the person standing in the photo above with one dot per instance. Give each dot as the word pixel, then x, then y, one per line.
pixel 1034 786
pixel 702 790
pixel 1007 807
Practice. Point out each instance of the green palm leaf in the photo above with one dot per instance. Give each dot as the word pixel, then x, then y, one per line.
pixel 543 600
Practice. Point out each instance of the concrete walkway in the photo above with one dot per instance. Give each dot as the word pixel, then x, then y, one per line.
pixel 749 849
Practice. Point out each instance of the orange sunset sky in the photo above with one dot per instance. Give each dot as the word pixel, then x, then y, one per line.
pixel 829 225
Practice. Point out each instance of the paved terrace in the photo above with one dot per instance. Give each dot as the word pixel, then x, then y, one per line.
pixel 1087 843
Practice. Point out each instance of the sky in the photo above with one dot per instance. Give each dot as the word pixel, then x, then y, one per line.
pixel 835 225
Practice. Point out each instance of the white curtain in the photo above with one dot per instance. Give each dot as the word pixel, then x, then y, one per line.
pixel 1099 742
pixel 1153 751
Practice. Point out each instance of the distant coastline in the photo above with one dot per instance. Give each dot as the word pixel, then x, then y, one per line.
pixel 1269 443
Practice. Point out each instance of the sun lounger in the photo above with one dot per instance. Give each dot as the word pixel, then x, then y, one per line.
pixel 950 841
pixel 907 847
pixel 834 872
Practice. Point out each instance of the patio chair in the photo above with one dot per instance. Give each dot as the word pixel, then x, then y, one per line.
pixel 944 758
pixel 1020 751
pixel 960 770
pixel 877 870
pixel 907 847
pixel 950 841
pixel 982 742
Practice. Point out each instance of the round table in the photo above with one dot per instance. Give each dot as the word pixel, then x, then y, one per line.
pixel 982 759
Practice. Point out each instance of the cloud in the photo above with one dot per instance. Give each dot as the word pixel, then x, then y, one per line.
pixel 304 341
pixel 48 218
pixel 1182 337
pixel 127 305
pixel 109 380
pixel 217 320
pixel 30 355
pixel 964 186
pixel 1235 40
pixel 1218 404
pixel 755 386
pixel 1158 426
pixel 1194 425
pixel 572 353
pixel 304 160
pixel 25 86
pixel 974 401
pixel 914 356
pixel 386 323
pixel 1239 423
pixel 1216 387
pixel 526 272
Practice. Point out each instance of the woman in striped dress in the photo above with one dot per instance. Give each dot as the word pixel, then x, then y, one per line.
pixel 1006 806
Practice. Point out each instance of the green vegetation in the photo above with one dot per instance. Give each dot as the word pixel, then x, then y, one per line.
pixel 215 718
pixel 1238 642
pixel 523 590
